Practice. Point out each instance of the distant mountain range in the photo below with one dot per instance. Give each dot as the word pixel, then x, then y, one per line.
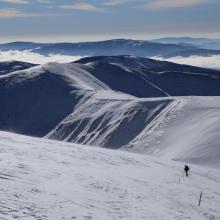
pixel 115 47
pixel 204 43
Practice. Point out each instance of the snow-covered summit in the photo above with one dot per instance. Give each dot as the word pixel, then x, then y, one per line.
pixel 11 66
pixel 72 75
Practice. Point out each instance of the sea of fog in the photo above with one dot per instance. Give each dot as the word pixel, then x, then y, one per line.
pixel 36 58
pixel 212 62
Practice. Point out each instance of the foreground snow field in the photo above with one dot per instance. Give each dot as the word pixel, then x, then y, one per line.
pixel 49 180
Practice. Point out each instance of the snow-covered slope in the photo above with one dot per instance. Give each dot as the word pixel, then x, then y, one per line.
pixel 143 77
pixel 110 121
pixel 179 128
pixel 188 132
pixel 43 179
pixel 35 100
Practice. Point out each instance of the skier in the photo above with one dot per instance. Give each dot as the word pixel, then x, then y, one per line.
pixel 186 169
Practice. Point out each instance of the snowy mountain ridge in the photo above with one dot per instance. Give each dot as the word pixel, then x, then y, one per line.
pixel 94 102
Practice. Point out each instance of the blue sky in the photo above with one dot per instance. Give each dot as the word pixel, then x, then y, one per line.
pixel 88 20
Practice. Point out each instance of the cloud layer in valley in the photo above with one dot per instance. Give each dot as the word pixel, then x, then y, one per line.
pixel 35 58
pixel 212 62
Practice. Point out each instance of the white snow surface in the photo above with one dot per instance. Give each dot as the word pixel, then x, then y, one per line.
pixel 109 120
pixel 49 180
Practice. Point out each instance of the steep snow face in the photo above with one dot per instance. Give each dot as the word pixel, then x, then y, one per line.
pixel 108 121
pixel 42 179
pixel 34 101
pixel 179 128
pixel 189 132
pixel 143 77
pixel 11 66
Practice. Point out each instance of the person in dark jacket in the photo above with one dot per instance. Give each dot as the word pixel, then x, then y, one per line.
pixel 186 169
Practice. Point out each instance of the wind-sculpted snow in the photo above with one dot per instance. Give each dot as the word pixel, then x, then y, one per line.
pixel 108 122
pixel 49 180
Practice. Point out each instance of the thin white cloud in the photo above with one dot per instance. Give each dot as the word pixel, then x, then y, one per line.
pixel 212 62
pixel 15 1
pixel 168 4
pixel 13 13
pixel 81 6
pixel 27 56
pixel 44 1
pixel 117 2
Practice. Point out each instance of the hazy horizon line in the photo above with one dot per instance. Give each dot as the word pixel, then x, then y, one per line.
pixel 104 39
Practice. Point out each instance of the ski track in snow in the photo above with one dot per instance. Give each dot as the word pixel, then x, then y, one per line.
pixel 44 179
